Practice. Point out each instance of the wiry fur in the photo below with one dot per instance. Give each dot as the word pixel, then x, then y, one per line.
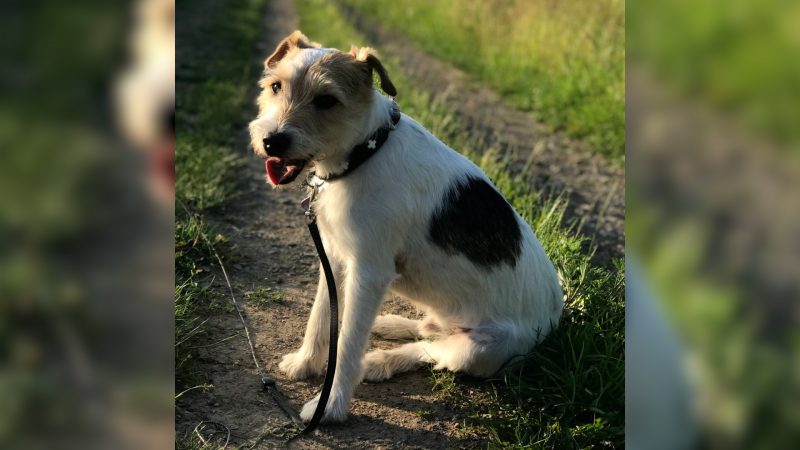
pixel 375 227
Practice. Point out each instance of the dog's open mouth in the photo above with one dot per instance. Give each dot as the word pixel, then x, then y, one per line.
pixel 282 171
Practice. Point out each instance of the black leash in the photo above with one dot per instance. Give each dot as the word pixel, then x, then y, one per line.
pixel 324 395
pixel 268 383
pixel 334 328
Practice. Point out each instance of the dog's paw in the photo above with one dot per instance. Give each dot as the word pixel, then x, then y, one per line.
pixel 298 366
pixel 335 411
pixel 376 367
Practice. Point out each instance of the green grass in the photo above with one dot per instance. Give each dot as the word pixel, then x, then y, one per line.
pixel 216 42
pixel 569 392
pixel 193 259
pixel 563 61
pixel 213 102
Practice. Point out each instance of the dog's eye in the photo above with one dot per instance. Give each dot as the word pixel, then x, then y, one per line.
pixel 276 86
pixel 325 101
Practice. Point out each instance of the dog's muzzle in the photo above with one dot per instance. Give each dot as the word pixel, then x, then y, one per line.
pixel 281 170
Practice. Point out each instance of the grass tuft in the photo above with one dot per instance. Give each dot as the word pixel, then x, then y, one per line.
pixel 263 295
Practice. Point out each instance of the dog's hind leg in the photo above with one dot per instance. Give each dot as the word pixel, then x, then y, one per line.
pixel 392 326
pixel 478 352
pixel 380 365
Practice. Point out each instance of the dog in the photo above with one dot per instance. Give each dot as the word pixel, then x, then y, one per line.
pixel 401 212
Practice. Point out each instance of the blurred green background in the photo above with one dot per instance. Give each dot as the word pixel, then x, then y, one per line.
pixel 712 215
pixel 85 329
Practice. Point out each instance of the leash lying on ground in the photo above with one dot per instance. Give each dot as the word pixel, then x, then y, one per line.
pixel 268 383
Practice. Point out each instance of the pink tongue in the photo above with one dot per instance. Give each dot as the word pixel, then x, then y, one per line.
pixel 276 169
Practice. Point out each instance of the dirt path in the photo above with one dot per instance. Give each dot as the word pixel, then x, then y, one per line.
pixel 267 231
pixel 595 188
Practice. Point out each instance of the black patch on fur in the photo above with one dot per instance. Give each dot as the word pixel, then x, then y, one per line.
pixel 476 220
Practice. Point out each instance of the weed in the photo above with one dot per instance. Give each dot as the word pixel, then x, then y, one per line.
pixel 262 296
pixel 444 382
pixel 188 325
pixel 194 442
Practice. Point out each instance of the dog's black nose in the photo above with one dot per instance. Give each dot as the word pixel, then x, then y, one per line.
pixel 276 144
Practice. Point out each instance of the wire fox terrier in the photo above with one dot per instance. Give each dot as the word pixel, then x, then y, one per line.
pixel 401 212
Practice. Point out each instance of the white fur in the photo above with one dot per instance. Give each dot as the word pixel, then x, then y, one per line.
pixel 481 317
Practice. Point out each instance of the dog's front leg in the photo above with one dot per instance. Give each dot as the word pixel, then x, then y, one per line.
pixel 365 284
pixel 310 359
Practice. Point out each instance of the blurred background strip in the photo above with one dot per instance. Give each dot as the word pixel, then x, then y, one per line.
pixel 86 326
pixel 713 213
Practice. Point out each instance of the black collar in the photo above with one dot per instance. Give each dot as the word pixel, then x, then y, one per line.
pixel 363 151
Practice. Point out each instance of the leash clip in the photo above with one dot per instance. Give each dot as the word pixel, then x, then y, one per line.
pixel 311 216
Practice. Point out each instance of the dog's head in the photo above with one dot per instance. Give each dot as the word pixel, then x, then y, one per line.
pixel 314 104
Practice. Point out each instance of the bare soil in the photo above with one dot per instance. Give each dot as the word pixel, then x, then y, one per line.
pixel 267 231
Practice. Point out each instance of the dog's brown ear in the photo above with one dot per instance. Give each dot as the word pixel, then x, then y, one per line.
pixel 367 56
pixel 294 40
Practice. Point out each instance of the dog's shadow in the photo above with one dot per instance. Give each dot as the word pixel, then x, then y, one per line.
pixel 400 411
pixel 375 431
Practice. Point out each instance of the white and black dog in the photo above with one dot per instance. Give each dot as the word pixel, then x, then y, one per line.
pixel 398 212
